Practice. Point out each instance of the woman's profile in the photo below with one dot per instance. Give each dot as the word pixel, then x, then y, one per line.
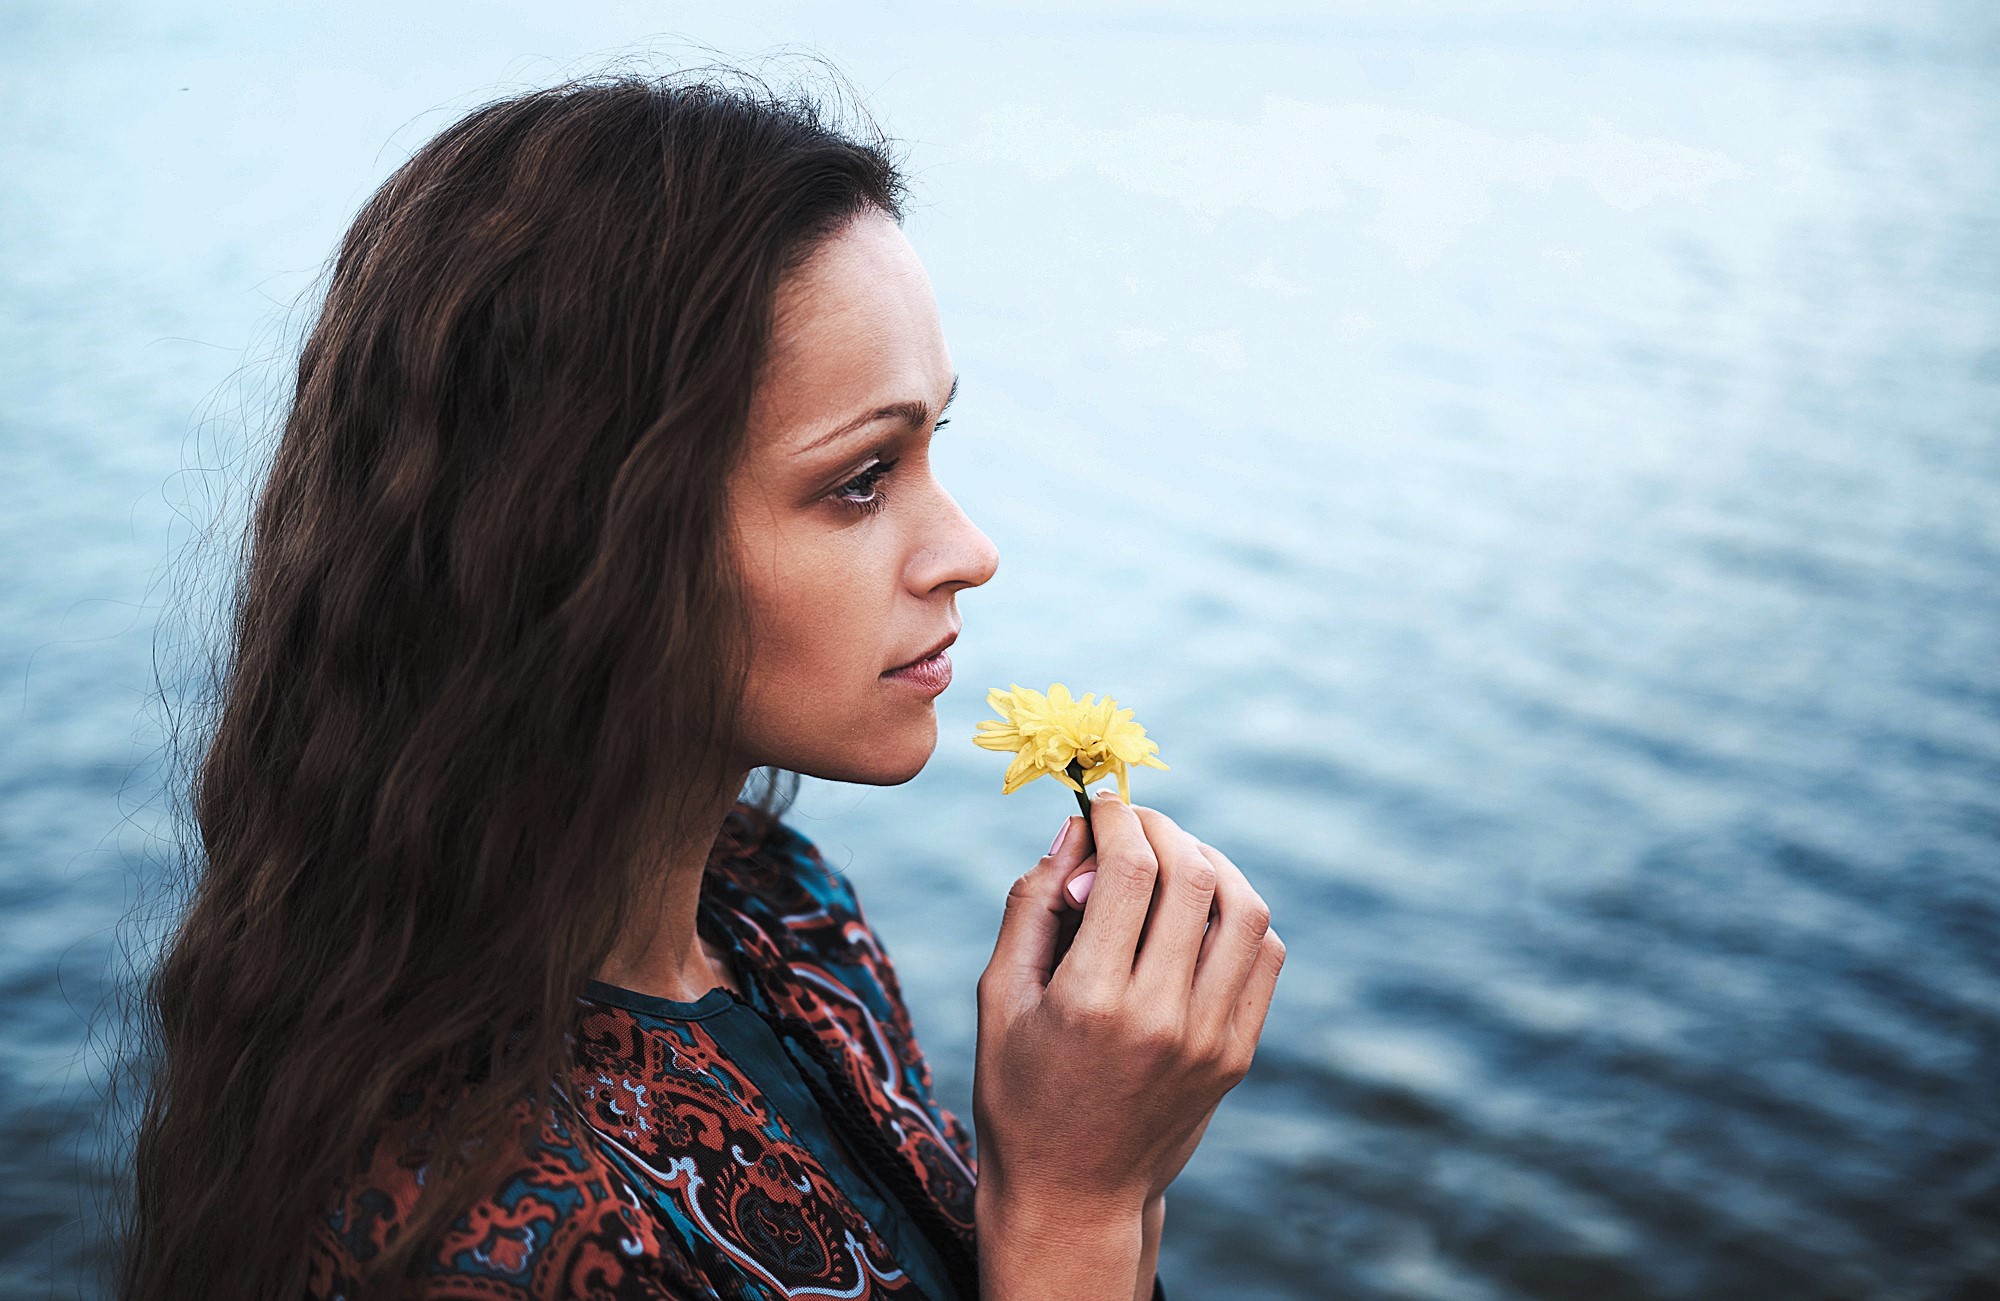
pixel 604 484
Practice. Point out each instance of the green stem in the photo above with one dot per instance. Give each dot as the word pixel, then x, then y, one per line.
pixel 1075 771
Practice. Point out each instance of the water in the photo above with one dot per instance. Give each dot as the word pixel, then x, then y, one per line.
pixel 1535 470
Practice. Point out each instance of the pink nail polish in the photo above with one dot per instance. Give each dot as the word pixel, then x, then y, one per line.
pixel 1079 889
pixel 1061 836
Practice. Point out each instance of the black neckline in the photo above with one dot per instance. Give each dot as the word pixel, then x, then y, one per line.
pixel 715 1000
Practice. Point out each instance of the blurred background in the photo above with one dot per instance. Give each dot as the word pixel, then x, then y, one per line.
pixel 1533 467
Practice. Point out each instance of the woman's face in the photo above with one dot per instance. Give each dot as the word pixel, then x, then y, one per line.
pixel 852 551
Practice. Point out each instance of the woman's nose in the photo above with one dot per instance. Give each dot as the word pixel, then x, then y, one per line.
pixel 988 555
pixel 969 556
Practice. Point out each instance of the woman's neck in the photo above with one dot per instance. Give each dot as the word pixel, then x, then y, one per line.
pixel 675 963
pixel 662 952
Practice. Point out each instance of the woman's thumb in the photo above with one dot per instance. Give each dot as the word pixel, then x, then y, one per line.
pixel 1024 954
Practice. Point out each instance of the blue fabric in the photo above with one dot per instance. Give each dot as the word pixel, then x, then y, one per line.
pixel 777 1068
pixel 688 1155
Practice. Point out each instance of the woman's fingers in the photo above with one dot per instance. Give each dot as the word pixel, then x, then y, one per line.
pixel 1180 908
pixel 1100 957
pixel 1230 951
pixel 1156 889
pixel 1254 1004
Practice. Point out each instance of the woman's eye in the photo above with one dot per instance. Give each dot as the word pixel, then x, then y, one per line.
pixel 868 481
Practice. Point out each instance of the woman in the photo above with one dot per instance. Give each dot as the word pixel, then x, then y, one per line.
pixel 605 484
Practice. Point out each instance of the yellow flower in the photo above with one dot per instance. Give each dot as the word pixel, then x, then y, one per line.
pixel 1050 733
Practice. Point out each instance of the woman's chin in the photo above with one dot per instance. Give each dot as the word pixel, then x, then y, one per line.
pixel 897 749
pixel 909 760
pixel 902 748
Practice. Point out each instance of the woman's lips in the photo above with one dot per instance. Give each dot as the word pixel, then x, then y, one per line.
pixel 932 675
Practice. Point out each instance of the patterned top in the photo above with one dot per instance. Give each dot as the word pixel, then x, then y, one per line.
pixel 714 1168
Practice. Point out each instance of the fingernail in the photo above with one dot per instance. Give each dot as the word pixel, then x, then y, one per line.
pixel 1106 793
pixel 1079 889
pixel 1055 846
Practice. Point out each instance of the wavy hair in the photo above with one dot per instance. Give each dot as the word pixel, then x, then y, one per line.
pixel 485 648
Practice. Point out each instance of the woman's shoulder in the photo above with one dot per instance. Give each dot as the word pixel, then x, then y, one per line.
pixel 779 874
pixel 836 957
pixel 559 1221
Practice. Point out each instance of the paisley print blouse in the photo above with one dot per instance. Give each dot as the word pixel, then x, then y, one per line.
pixel 713 1170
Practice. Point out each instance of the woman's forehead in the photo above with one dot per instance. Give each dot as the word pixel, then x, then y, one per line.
pixel 865 279
pixel 855 328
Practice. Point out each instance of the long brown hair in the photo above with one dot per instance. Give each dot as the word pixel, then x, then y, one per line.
pixel 484 651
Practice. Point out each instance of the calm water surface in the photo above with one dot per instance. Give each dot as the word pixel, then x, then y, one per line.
pixel 1536 473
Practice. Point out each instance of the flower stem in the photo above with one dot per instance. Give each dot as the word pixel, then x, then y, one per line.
pixel 1075 771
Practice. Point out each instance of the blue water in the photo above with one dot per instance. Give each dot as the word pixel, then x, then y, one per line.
pixel 1534 468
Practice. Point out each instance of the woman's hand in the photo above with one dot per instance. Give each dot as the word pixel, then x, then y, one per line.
pixel 1098 1069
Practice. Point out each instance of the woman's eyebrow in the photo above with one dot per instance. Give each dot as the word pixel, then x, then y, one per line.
pixel 914 412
